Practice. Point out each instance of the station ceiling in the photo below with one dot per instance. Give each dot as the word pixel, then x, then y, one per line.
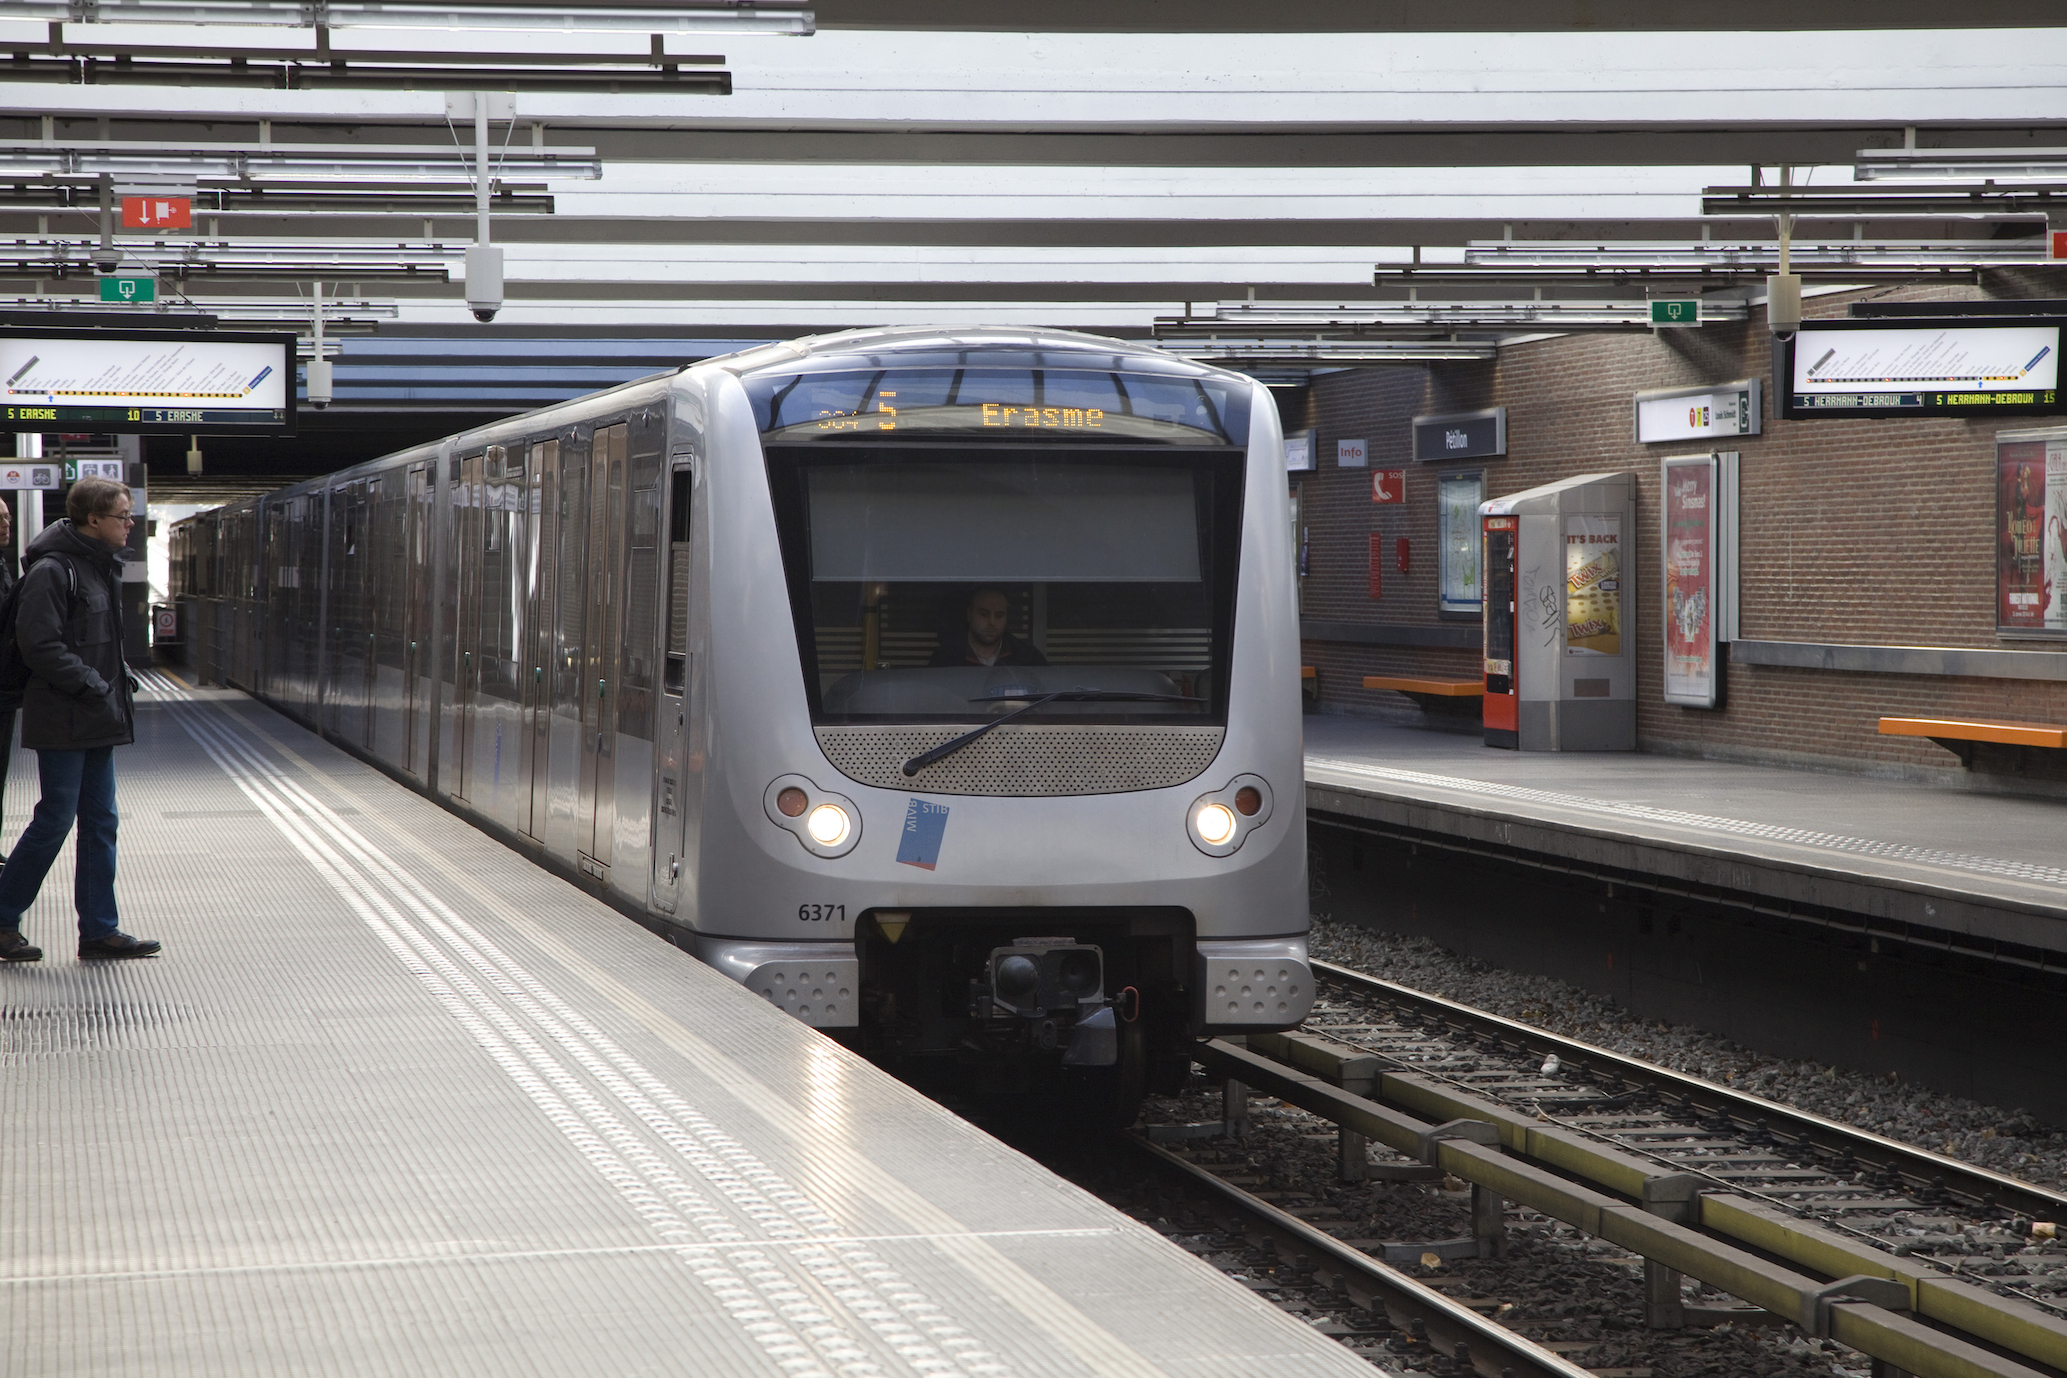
pixel 1127 159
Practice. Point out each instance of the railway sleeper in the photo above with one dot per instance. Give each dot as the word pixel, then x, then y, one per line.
pixel 1894 1341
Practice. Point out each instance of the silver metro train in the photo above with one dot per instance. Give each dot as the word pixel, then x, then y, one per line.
pixel 941 687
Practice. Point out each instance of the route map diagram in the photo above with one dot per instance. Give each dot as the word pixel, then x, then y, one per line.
pixel 139 373
pixel 1970 359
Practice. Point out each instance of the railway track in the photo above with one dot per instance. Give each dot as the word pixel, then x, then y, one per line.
pixel 1310 1271
pixel 1813 1221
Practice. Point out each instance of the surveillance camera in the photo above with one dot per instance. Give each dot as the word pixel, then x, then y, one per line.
pixel 484 281
pixel 320 390
pixel 106 260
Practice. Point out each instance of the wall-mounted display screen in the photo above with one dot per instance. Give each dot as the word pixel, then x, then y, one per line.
pixel 1929 366
pixel 145 381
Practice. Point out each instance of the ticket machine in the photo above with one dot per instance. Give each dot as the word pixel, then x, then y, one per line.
pixel 1560 628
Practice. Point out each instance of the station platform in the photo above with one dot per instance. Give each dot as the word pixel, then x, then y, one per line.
pixel 395 1101
pixel 1921 862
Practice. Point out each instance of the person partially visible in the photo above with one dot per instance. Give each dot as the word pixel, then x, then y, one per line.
pixel 984 640
pixel 10 701
pixel 76 710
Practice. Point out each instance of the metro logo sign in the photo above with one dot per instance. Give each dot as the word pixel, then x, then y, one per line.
pixel 157 213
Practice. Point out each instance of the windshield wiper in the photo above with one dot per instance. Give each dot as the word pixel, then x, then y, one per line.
pixel 947 749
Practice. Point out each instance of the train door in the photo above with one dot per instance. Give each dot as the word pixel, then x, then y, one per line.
pixel 416 614
pixel 569 662
pixel 468 530
pixel 542 498
pixel 670 841
pixel 596 820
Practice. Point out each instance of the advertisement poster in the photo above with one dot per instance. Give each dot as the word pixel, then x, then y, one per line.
pixel 1593 586
pixel 1689 605
pixel 2031 535
pixel 1457 500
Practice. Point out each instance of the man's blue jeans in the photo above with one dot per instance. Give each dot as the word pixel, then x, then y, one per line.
pixel 81 785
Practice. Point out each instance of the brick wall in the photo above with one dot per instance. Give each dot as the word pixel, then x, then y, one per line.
pixel 1859 531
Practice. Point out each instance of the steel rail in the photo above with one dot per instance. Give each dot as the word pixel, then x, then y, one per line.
pixel 1562 1175
pixel 1921 1168
pixel 1485 1346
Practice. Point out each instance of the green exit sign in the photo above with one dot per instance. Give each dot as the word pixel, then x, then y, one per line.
pixel 1676 312
pixel 129 289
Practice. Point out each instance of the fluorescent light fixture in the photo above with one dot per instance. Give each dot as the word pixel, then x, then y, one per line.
pixel 660 16
pixel 1950 164
pixel 1756 255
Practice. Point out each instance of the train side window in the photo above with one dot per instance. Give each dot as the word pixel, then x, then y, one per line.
pixel 677 669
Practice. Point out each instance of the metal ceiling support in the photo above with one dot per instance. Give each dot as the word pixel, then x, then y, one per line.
pixel 339 317
pixel 1624 277
pixel 1366 320
pixel 1258 353
pixel 637 16
pixel 1756 255
pixel 87 62
pixel 1975 200
pixel 245 164
pixel 296 198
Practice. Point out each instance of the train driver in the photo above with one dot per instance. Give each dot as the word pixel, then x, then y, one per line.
pixel 985 641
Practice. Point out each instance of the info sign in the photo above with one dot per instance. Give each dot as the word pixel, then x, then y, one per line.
pixel 1691 543
pixel 1697 413
pixel 141 381
pixel 2031 533
pixel 28 475
pixel 1927 366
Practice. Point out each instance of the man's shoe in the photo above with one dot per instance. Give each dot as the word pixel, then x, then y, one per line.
pixel 15 948
pixel 120 945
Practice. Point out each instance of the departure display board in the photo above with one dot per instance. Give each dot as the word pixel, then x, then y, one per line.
pixel 139 381
pixel 1929 366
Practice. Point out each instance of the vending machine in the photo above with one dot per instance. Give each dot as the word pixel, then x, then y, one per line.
pixel 1560 652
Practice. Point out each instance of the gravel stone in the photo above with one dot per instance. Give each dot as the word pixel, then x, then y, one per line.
pixel 2008 1141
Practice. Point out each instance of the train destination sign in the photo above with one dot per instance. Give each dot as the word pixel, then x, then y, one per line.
pixel 146 381
pixel 1929 366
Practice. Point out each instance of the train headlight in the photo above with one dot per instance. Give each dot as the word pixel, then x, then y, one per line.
pixel 1221 821
pixel 827 825
pixel 1215 823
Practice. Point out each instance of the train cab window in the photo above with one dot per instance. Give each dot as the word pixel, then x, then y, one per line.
pixel 951 567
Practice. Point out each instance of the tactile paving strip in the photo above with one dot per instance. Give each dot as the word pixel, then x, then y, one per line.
pixel 396 1101
pixel 1771 832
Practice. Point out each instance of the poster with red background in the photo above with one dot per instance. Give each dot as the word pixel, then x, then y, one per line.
pixel 1689 520
pixel 2021 596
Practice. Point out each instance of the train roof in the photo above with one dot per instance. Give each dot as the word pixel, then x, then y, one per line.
pixel 909 346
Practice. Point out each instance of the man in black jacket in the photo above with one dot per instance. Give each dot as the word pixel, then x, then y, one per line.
pixel 10 703
pixel 75 712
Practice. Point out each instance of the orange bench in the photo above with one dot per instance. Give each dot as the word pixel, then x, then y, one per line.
pixel 1439 688
pixel 1306 672
pixel 1957 735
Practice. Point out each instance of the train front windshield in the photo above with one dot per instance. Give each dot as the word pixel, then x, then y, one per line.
pixel 960 542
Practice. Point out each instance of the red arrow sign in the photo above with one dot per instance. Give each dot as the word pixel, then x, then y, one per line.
pixel 157 213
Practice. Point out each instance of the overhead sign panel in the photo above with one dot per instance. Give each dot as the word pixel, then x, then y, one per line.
pixel 146 380
pixel 1461 435
pixel 1925 367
